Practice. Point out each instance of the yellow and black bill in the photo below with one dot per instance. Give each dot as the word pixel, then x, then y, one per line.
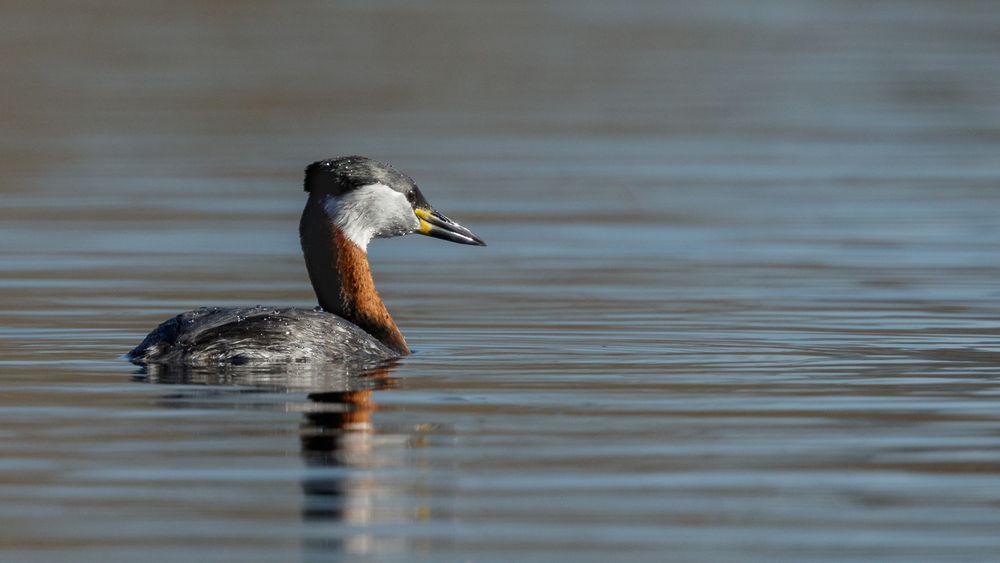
pixel 434 224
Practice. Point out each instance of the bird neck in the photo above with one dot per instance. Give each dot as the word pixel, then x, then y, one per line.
pixel 342 279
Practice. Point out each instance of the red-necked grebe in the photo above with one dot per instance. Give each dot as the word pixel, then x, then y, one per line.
pixel 351 201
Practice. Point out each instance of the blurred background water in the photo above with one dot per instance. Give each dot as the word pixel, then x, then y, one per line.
pixel 740 300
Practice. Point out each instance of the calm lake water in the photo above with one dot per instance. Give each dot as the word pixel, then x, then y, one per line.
pixel 740 302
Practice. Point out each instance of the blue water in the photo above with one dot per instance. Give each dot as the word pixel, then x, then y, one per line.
pixel 739 302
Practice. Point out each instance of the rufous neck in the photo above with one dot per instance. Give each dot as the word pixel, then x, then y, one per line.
pixel 342 278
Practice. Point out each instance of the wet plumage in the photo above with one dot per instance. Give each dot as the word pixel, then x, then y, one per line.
pixel 252 335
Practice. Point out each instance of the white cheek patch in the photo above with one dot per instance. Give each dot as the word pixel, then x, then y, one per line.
pixel 375 210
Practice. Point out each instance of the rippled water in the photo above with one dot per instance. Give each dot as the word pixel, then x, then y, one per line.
pixel 740 300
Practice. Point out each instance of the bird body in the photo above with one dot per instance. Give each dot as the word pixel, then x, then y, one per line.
pixel 351 201
pixel 251 335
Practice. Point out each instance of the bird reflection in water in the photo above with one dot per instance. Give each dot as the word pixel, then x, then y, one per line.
pixel 339 434
pixel 344 486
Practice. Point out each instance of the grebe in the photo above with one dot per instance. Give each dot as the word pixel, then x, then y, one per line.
pixel 351 200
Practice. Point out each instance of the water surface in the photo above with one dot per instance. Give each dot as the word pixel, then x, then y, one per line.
pixel 740 300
